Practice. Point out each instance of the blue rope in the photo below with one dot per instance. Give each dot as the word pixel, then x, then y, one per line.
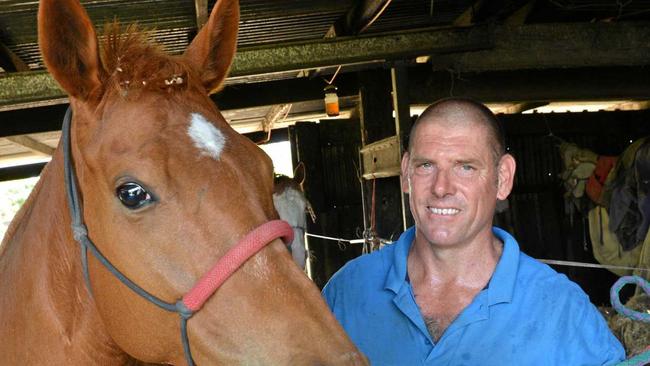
pixel 638 360
pixel 644 357
pixel 616 301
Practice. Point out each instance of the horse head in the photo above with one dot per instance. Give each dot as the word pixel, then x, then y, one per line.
pixel 167 188
pixel 292 205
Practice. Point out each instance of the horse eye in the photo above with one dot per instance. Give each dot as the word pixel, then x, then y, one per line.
pixel 133 196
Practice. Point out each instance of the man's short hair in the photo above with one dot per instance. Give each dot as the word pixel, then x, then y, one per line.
pixel 489 120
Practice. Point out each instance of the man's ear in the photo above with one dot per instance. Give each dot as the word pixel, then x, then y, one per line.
pixel 505 176
pixel 404 178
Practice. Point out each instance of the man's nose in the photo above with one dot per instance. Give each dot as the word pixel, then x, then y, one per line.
pixel 442 183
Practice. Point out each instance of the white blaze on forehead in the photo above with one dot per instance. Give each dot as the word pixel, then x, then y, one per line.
pixel 206 136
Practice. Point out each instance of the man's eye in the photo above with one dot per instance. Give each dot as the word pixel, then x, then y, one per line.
pixel 465 170
pixel 424 168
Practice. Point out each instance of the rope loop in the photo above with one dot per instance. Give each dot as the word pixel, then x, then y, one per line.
pixel 616 301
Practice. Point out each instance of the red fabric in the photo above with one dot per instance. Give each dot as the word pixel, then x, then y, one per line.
pixel 252 243
pixel 597 179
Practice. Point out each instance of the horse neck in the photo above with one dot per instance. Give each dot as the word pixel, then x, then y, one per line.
pixel 44 303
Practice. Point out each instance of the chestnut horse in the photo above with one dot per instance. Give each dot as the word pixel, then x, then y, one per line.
pixel 158 189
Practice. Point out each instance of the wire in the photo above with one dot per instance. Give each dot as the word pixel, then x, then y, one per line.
pixel 334 76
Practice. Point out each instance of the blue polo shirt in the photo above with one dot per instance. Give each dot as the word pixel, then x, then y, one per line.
pixel 528 315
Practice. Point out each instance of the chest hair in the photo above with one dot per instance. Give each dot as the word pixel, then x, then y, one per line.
pixel 436 326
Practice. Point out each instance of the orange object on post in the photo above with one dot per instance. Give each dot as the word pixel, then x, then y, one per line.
pixel 331 101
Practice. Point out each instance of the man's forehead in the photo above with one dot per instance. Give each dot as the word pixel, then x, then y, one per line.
pixel 438 136
pixel 442 126
pixel 454 117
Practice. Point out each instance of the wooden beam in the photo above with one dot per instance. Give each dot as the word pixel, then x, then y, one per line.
pixel 363 15
pixel 477 48
pixel 32 144
pixel 466 18
pixel 352 50
pixel 542 46
pixel 9 61
pixel 377 123
pixel 21 89
pixel 37 86
pixel 519 16
pixel 401 106
pixel 32 120
pixel 282 91
pixel 582 84
pixel 21 171
pixel 275 114
pixel 518 108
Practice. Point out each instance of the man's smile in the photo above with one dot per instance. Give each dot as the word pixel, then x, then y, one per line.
pixel 443 211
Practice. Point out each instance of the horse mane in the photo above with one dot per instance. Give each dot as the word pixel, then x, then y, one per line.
pixel 131 59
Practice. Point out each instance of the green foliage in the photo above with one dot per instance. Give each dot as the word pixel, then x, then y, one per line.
pixel 13 195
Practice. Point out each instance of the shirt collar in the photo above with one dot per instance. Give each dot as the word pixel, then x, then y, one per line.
pixel 397 274
pixel 501 284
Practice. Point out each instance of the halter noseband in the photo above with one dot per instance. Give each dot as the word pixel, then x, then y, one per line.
pixel 194 299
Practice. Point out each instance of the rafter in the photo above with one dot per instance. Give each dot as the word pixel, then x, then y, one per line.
pixel 519 16
pixel 32 144
pixel 476 48
pixel 9 61
pixel 466 18
pixel 362 16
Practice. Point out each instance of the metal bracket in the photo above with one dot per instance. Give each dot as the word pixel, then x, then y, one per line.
pixel 381 159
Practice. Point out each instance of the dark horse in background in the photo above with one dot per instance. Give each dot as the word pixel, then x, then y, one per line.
pixel 167 188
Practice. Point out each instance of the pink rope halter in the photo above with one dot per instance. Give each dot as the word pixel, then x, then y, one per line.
pixel 233 259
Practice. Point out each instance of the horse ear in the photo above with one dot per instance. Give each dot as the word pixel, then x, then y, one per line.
pixel 69 46
pixel 213 49
pixel 299 174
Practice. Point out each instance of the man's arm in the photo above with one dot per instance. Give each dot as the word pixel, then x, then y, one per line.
pixel 593 343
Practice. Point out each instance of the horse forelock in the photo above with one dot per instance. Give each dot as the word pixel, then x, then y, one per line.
pixel 132 61
pixel 282 183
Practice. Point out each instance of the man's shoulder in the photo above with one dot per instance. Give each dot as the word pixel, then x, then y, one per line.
pixel 535 276
pixel 570 319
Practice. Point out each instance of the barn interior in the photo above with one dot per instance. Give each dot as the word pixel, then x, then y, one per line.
pixel 576 71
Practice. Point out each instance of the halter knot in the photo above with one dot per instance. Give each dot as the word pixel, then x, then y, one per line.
pixel 79 232
pixel 182 310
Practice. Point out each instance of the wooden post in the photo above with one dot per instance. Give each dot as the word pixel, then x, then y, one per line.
pixel 377 123
pixel 399 77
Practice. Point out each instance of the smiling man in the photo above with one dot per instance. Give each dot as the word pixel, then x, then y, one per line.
pixel 453 290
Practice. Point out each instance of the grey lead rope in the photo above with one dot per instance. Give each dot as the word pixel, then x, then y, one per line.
pixel 78 228
pixel 80 234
